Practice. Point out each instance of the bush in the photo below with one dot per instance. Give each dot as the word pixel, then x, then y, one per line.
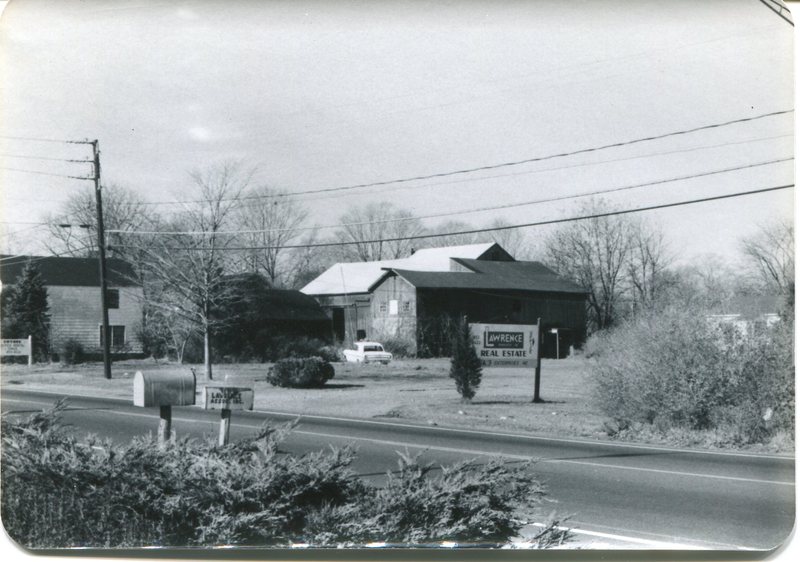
pixel 308 372
pixel 72 352
pixel 398 347
pixel 59 492
pixel 674 369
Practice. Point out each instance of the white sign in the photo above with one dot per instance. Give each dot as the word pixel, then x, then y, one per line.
pixel 506 345
pixel 227 398
pixel 17 347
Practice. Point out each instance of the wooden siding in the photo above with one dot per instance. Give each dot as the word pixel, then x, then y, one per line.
pixel 76 313
pixel 355 310
pixel 564 311
pixel 390 323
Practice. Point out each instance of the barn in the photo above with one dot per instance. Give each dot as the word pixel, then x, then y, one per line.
pixel 417 299
pixel 73 294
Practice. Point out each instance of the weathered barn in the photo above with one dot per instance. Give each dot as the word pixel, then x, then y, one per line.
pixel 420 304
pixel 73 294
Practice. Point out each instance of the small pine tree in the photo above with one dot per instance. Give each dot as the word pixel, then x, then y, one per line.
pixel 25 311
pixel 465 367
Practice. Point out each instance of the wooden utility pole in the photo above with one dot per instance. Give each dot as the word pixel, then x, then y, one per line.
pixel 101 254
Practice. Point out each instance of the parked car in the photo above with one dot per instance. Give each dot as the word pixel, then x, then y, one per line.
pixel 367 352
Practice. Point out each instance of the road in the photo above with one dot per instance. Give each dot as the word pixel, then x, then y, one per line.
pixel 627 495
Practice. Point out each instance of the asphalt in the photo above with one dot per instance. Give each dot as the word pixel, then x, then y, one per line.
pixel 617 495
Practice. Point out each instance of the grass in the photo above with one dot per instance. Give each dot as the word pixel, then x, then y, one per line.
pixel 413 390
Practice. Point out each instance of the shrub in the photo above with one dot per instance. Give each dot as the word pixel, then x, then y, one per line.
pixel 674 369
pixel 398 346
pixel 61 492
pixel 465 367
pixel 308 372
pixel 72 352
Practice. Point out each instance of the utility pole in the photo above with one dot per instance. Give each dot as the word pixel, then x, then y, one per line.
pixel 101 254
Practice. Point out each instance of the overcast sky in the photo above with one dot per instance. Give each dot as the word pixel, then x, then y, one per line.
pixel 328 94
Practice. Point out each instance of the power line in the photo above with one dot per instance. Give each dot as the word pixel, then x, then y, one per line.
pixel 40 139
pixel 489 229
pixel 772 5
pixel 44 173
pixel 502 164
pixel 7 155
pixel 465 211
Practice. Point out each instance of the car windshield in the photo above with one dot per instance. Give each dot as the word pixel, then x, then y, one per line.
pixel 373 348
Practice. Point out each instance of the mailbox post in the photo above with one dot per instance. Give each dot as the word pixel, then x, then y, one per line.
pixel 226 398
pixel 164 390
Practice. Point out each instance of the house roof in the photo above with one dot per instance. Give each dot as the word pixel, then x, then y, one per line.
pixel 69 272
pixel 487 275
pixel 273 304
pixel 358 277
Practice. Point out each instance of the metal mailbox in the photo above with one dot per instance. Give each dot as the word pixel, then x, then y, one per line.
pixel 225 397
pixel 164 389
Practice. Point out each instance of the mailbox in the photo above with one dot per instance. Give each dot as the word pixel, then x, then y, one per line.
pixel 163 389
pixel 227 398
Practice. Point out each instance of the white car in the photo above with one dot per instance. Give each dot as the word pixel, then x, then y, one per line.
pixel 367 352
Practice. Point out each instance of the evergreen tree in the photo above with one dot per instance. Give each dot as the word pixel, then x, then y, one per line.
pixel 25 311
pixel 465 367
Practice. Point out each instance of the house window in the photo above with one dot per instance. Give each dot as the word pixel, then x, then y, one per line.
pixel 393 307
pixel 112 298
pixel 117 336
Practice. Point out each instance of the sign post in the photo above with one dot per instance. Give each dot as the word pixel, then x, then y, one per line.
pixel 227 398
pixel 510 345
pixel 537 376
pixel 18 347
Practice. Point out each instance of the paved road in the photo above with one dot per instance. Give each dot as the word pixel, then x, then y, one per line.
pixel 620 495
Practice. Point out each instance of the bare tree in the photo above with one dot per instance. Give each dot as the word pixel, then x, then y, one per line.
pixel 367 227
pixel 648 264
pixel 512 240
pixel 594 254
pixel 188 265
pixel 771 253
pixel 452 239
pixel 270 220
pixel 73 230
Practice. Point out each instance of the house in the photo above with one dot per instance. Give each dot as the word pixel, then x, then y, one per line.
pixel 73 294
pixel 418 298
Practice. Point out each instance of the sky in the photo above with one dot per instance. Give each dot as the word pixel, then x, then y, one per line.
pixel 319 95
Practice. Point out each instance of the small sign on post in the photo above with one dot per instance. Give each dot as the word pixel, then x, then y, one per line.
pixel 227 398
pixel 19 347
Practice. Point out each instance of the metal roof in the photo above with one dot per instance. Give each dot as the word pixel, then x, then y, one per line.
pixel 358 277
pixel 69 272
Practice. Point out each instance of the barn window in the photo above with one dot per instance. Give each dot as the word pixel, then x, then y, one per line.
pixel 393 307
pixel 382 308
pixel 117 336
pixel 112 298
pixel 406 306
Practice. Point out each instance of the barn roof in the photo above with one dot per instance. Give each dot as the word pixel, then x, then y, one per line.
pixel 69 272
pixel 358 277
pixel 498 275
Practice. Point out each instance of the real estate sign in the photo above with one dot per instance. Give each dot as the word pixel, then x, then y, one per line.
pixel 17 347
pixel 506 345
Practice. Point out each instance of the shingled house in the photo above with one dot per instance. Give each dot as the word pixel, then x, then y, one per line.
pixel 73 293
pixel 418 298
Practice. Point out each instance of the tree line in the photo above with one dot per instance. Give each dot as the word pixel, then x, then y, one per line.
pixel 624 261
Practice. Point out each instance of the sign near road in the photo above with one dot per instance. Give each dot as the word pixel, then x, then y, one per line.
pixel 227 398
pixel 17 347
pixel 506 345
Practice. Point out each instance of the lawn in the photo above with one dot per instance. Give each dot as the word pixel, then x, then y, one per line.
pixel 411 390
pixel 416 390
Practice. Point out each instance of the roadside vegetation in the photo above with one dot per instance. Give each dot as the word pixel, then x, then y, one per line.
pixel 59 491
pixel 672 371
